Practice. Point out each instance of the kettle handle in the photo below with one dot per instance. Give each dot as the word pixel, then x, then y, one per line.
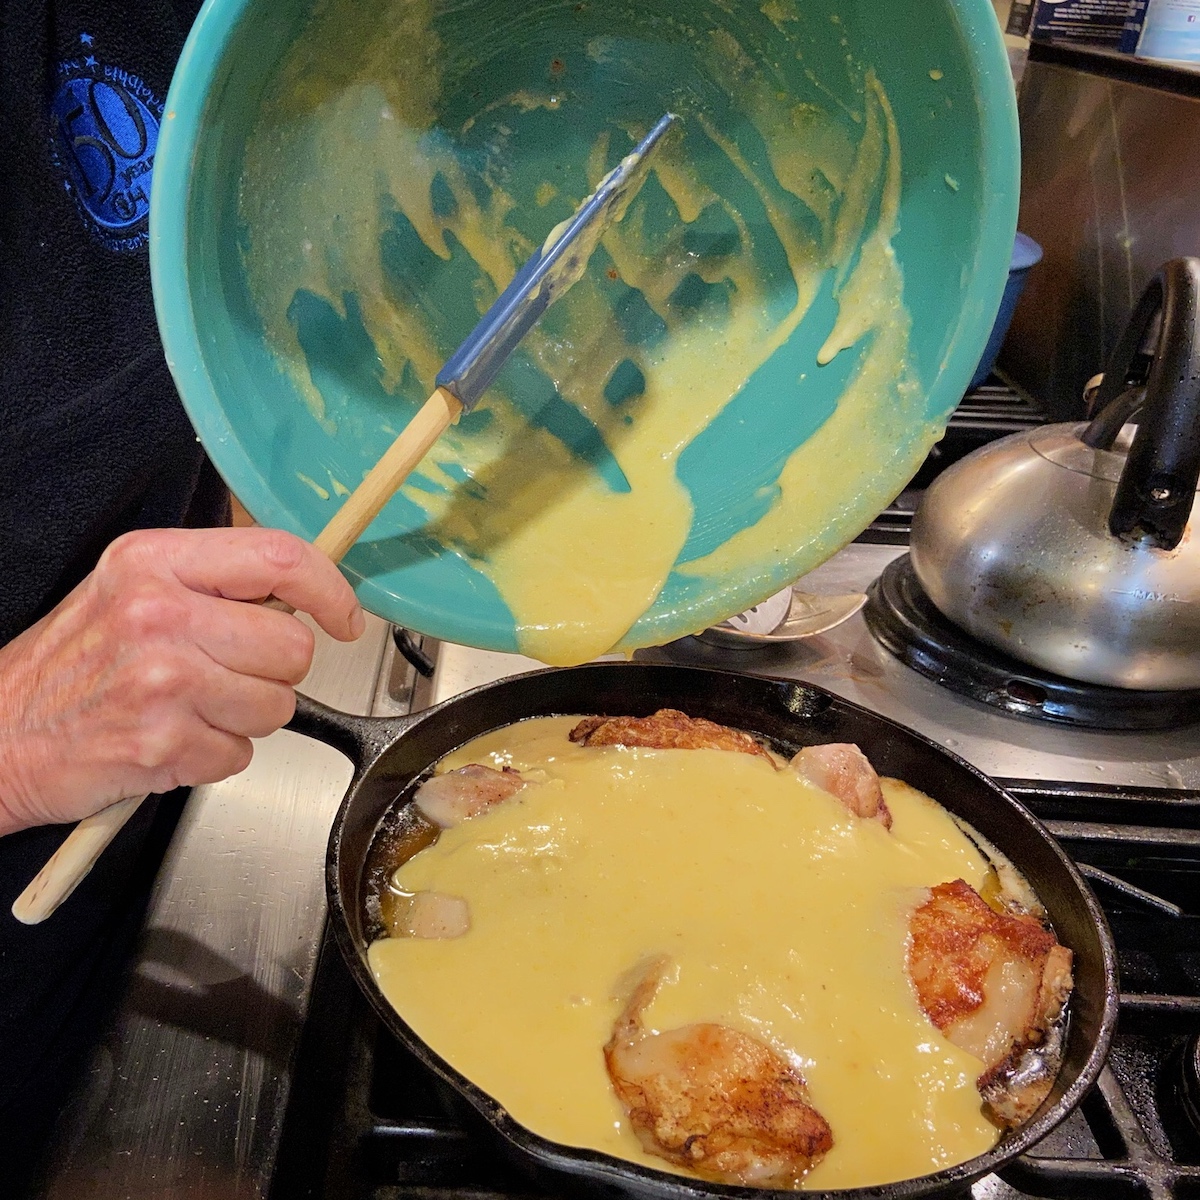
pixel 1108 422
pixel 1158 485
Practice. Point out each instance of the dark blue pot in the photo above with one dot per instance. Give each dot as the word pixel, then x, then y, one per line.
pixel 1026 255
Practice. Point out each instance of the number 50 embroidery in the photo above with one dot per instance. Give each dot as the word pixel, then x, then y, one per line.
pixel 107 138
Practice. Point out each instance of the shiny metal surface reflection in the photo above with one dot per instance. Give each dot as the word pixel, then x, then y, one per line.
pixel 185 1095
pixel 1012 544
pixel 1108 178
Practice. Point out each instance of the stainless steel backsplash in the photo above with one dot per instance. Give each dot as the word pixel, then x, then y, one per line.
pixel 1110 176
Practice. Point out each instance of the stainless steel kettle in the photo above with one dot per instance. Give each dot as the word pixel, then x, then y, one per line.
pixel 1072 547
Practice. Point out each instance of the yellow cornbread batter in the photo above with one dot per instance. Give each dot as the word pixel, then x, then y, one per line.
pixel 784 917
pixel 355 138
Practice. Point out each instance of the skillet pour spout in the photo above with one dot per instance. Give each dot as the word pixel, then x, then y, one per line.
pixel 389 754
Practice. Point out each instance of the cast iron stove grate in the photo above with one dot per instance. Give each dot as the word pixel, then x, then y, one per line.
pixel 367 1122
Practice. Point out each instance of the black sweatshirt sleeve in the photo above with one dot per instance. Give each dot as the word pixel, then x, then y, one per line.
pixel 93 439
pixel 93 442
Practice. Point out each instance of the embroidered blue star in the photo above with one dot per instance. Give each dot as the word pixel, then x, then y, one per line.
pixel 86 38
pixel 90 61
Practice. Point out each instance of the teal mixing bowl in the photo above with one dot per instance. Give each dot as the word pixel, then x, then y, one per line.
pixel 757 361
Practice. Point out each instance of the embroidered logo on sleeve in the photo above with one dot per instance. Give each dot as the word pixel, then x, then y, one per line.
pixel 104 123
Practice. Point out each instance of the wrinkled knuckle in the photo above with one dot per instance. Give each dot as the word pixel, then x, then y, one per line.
pixel 283 550
pixel 297 658
pixel 284 707
pixel 130 551
pixel 165 678
pixel 158 748
pixel 152 610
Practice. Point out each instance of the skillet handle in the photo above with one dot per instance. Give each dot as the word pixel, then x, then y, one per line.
pixel 1158 485
pixel 360 739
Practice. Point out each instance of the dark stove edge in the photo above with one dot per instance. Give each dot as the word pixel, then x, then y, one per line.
pixel 1116 804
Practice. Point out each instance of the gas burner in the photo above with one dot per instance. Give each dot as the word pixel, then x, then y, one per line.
pixel 905 621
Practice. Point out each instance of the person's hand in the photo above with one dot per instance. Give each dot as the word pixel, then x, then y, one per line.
pixel 152 674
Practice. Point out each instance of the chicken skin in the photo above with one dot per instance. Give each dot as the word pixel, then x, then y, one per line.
pixel 435 916
pixel 842 770
pixel 713 1099
pixel 839 768
pixel 457 796
pixel 995 984
pixel 667 729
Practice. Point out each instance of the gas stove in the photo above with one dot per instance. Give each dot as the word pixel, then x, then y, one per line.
pixel 368 1122
pixel 244 1063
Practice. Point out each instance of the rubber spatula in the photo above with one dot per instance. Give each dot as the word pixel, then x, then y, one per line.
pixel 559 263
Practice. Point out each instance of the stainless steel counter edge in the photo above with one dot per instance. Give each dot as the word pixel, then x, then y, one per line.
pixel 185 1096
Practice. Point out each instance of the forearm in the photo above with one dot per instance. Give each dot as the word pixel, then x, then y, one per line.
pixel 21 750
pixel 42 760
pixel 13 813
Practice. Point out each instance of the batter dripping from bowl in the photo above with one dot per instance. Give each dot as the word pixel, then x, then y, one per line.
pixel 761 249
pixel 761 971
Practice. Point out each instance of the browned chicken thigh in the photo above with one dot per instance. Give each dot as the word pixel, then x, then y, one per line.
pixel 842 770
pixel 667 729
pixel 995 984
pixel 713 1099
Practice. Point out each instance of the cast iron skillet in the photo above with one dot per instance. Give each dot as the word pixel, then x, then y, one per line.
pixel 389 753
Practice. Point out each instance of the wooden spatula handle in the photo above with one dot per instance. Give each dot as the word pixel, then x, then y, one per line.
pixel 70 863
pixel 386 477
pixel 86 842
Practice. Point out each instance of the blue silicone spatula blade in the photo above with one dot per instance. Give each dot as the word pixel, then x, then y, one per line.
pixel 545 278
